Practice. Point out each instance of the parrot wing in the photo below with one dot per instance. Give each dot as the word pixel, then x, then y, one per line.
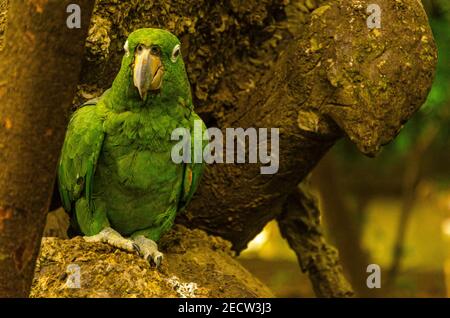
pixel 81 149
pixel 192 171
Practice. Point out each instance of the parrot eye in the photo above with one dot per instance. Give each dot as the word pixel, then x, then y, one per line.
pixel 139 48
pixel 175 53
pixel 155 50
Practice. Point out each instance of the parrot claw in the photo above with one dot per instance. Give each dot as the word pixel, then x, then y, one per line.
pixel 149 250
pixel 136 248
pixel 156 259
pixel 113 238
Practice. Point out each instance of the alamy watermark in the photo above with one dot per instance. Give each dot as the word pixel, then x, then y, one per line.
pixel 374 279
pixel 73 21
pixel 239 145
pixel 374 19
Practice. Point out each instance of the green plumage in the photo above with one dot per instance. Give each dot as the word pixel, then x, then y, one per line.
pixel 115 168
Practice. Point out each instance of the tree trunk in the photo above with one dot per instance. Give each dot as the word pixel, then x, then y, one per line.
pixel 39 69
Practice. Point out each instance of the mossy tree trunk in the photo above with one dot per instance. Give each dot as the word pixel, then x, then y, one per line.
pixel 39 70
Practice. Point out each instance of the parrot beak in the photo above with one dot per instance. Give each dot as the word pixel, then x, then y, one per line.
pixel 147 72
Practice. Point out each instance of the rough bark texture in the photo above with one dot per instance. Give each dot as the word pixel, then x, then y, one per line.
pixel 195 265
pixel 300 226
pixel 311 68
pixel 39 69
pixel 339 77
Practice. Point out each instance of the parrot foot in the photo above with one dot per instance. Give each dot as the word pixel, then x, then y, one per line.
pixel 149 250
pixel 113 238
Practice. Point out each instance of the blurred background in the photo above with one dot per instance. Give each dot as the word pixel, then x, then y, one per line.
pixel 393 210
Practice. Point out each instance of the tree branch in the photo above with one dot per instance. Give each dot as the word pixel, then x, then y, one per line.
pixel 300 226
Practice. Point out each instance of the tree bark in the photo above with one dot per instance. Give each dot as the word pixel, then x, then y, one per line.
pixel 300 226
pixel 39 69
pixel 195 265
pixel 336 79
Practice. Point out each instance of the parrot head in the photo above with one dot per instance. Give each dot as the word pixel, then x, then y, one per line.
pixel 152 66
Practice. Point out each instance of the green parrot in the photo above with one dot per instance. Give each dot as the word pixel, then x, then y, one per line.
pixel 116 176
